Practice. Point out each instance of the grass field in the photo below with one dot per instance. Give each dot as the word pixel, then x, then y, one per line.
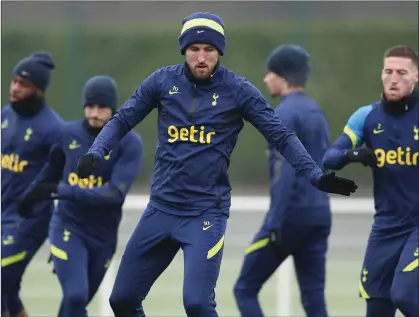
pixel 41 292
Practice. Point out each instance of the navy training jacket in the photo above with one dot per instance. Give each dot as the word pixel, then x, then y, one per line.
pixel 293 199
pixel 395 141
pixel 198 127
pixel 26 142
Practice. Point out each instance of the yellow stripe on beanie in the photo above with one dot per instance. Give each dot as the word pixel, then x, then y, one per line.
pixel 204 23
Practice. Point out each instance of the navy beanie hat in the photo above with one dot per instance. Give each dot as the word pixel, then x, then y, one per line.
pixel 292 63
pixel 205 28
pixel 36 68
pixel 101 90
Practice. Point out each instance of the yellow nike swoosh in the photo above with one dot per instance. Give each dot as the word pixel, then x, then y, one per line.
pixel 74 146
pixel 173 92
pixel 206 228
pixel 377 131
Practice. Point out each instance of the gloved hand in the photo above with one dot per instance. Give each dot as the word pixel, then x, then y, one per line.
pixel 86 165
pixel 363 155
pixel 331 183
pixel 40 192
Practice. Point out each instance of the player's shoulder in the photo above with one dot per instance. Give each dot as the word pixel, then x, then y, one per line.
pixel 159 76
pixel 300 101
pixel 52 114
pixel 359 116
pixel 169 71
pixel 362 112
pixel 6 108
pixel 238 84
pixel 73 124
pixel 310 102
pixel 5 111
pixel 70 127
pixel 231 78
pixel 49 120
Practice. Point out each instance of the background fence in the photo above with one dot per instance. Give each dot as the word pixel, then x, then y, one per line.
pixel 129 40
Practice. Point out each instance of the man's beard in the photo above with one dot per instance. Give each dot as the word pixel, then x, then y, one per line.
pixel 28 106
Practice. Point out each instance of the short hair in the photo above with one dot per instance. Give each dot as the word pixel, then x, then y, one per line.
pixel 403 51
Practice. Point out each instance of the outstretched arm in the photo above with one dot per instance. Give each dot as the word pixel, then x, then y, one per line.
pixel 135 109
pixel 257 111
pixel 263 118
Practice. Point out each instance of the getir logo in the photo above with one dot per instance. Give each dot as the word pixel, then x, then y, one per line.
pixel 13 163
pixel 89 182
pixel 400 156
pixel 191 134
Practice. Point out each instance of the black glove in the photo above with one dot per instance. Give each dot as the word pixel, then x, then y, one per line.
pixel 363 155
pixel 331 183
pixel 41 191
pixel 85 165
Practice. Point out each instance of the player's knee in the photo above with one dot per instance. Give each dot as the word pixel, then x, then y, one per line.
pixel 196 305
pixel 380 307
pixel 122 304
pixel 399 295
pixel 195 308
pixel 9 280
pixel 314 305
pixel 244 290
pixel 313 301
pixel 405 299
pixel 10 287
pixel 75 299
pixel 15 306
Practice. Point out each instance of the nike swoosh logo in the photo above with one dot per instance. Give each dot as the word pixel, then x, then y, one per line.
pixel 173 92
pixel 377 131
pixel 74 146
pixel 206 228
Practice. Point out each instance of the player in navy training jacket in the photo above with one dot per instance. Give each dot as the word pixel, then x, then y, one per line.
pixel 84 227
pixel 28 127
pixel 201 109
pixel 299 219
pixel 389 129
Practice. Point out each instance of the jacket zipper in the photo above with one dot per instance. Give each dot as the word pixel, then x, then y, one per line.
pixel 190 117
pixel 193 104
